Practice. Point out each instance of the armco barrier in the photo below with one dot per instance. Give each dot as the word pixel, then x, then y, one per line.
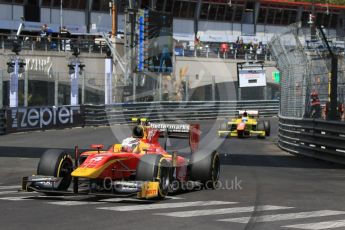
pixel 2 122
pixel 50 117
pixel 42 118
pixel 314 138
pixel 172 111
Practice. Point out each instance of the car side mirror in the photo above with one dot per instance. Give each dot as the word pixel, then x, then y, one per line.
pixel 97 146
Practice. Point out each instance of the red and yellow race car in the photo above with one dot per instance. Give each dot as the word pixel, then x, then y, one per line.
pixel 138 166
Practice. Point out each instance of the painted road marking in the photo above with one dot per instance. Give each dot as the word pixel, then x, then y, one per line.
pixel 16 198
pixel 72 203
pixel 319 225
pixel 221 211
pixel 165 206
pixel 10 187
pixel 11 192
pixel 287 216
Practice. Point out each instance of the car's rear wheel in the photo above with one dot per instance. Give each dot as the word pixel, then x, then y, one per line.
pixel 56 163
pixel 154 167
pixel 267 125
pixel 261 127
pixel 205 168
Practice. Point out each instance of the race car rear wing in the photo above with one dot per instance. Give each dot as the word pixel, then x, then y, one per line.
pixel 252 113
pixel 183 131
pixel 169 130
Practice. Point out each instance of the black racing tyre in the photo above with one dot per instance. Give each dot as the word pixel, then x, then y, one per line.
pixel 260 127
pixel 56 163
pixel 154 167
pixel 267 125
pixel 205 168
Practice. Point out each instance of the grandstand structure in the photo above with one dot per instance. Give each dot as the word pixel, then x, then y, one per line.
pixel 212 20
pixel 211 37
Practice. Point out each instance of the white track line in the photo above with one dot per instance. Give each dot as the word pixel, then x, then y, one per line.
pixel 72 203
pixel 221 211
pixel 10 192
pixel 10 187
pixel 287 216
pixel 16 198
pixel 174 198
pixel 319 225
pixel 165 206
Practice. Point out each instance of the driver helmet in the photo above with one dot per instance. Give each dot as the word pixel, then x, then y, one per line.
pixel 138 132
pixel 129 144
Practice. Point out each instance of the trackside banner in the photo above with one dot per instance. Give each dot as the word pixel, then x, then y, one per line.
pixel 42 118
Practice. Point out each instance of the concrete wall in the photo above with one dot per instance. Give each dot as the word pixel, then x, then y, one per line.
pixel 200 70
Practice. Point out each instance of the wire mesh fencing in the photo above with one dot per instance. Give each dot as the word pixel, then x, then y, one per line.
pixel 305 66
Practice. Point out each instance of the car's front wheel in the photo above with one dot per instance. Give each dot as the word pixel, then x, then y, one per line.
pixel 56 163
pixel 154 167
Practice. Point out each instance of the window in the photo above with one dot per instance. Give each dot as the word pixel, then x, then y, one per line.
pixel 334 21
pixel 66 3
pixel 278 17
pixel 319 18
pixel 262 15
pixel 285 18
pixel 184 9
pixel 221 12
pixel 228 13
pixel 191 11
pixel 204 10
pixel 168 6
pixel 56 3
pixel 293 17
pixel 326 20
pixel 159 5
pixel 305 18
pixel 5 1
pixel 82 4
pixel 18 1
pixel 212 12
pixel 74 4
pixel 270 16
pixel 238 13
pixel 105 6
pixel 96 5
pixel 46 2
pixel 177 8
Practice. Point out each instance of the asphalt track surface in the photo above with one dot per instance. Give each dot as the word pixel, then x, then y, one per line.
pixel 263 188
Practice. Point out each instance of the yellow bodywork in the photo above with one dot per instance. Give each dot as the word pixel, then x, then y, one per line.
pixel 232 132
pixel 149 190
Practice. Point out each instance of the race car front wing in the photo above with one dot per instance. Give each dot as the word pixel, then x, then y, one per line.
pixel 50 185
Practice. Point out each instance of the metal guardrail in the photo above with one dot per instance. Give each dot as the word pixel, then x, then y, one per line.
pixel 2 122
pixel 316 138
pixel 172 111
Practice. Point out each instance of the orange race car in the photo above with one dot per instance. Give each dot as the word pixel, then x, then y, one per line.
pixel 139 165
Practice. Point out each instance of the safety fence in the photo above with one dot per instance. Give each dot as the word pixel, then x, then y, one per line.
pixel 313 137
pixel 51 117
pixel 173 111
pixel 2 122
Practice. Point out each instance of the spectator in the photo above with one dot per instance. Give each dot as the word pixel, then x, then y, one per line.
pixel 64 36
pixel 315 106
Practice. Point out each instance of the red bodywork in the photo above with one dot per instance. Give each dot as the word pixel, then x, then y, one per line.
pixel 116 164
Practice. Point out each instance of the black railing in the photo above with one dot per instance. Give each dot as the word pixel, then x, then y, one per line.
pixel 313 137
pixel 2 122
